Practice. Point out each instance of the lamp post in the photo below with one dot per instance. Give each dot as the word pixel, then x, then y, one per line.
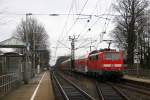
pixel 137 55
pixel 26 67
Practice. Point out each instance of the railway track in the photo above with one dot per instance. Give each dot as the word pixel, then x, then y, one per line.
pixel 69 90
pixel 107 91
pixel 137 88
pixel 122 90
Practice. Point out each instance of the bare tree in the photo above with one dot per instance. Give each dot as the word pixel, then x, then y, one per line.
pixel 34 33
pixel 129 25
pixel 144 41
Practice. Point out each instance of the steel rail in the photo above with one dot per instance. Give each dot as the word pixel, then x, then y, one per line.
pixel 60 87
pixel 107 91
pixel 99 92
pixel 79 89
pixel 136 89
pixel 119 91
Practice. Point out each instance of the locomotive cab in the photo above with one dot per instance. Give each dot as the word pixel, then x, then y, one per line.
pixel 113 61
pixel 106 62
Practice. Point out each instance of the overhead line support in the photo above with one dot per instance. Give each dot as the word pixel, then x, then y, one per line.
pixel 72 39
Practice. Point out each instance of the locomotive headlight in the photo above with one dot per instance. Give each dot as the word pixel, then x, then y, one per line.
pixel 107 65
pixel 117 65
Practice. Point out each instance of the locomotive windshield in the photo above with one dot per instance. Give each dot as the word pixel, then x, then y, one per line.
pixel 112 56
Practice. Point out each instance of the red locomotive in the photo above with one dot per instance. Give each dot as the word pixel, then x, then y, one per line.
pixel 106 62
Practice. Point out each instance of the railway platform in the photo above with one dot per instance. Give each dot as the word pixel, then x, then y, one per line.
pixel 137 79
pixel 39 88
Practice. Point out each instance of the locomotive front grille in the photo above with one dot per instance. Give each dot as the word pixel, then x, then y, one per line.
pixel 107 65
pixel 112 65
pixel 117 65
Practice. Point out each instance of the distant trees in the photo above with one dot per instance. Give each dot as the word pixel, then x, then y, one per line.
pixel 34 33
pixel 44 58
pixel 60 60
pixel 144 41
pixel 131 28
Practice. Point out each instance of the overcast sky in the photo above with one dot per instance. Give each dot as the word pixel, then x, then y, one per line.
pixel 59 27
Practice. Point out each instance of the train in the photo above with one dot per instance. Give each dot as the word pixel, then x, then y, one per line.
pixel 99 63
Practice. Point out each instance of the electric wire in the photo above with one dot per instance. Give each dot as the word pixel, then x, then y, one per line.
pixel 82 33
pixel 90 18
pixel 76 18
pixel 106 18
pixel 74 22
pixel 66 22
pixel 105 28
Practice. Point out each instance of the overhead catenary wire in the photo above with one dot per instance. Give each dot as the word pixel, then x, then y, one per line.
pixel 72 25
pixel 90 17
pixel 64 27
pixel 105 27
pixel 86 25
pixel 64 45
pixel 62 14
pixel 66 22
pixel 55 14
pixel 85 45
pixel 89 28
pixel 106 19
pixel 81 33
pixel 75 20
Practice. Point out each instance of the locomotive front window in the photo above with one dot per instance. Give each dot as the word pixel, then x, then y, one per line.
pixel 112 56
pixel 95 57
pixel 108 56
pixel 117 56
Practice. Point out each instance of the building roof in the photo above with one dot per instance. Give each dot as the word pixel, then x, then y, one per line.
pixel 12 43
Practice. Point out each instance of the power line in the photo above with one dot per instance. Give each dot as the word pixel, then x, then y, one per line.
pixel 99 17
pixel 87 24
pixel 52 14
pixel 89 18
pixel 85 45
pixel 76 18
pixel 64 45
pixel 64 27
pixel 64 14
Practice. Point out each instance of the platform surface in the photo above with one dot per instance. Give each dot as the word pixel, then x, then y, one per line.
pixel 137 79
pixel 40 88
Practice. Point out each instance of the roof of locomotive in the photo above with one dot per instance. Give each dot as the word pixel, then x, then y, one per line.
pixel 82 57
pixel 96 52
pixel 69 59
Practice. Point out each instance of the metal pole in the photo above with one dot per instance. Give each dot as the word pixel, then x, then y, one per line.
pixel 25 74
pixel 73 52
pixel 137 56
pixel 91 46
pixel 26 56
pixel 72 39
pixel 34 54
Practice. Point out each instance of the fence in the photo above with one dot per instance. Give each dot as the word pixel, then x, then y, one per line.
pixel 7 82
pixel 141 72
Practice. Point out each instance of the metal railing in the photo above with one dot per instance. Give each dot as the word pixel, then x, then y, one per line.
pixel 7 82
pixel 143 73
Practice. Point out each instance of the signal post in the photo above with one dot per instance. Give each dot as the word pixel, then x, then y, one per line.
pixel 72 39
